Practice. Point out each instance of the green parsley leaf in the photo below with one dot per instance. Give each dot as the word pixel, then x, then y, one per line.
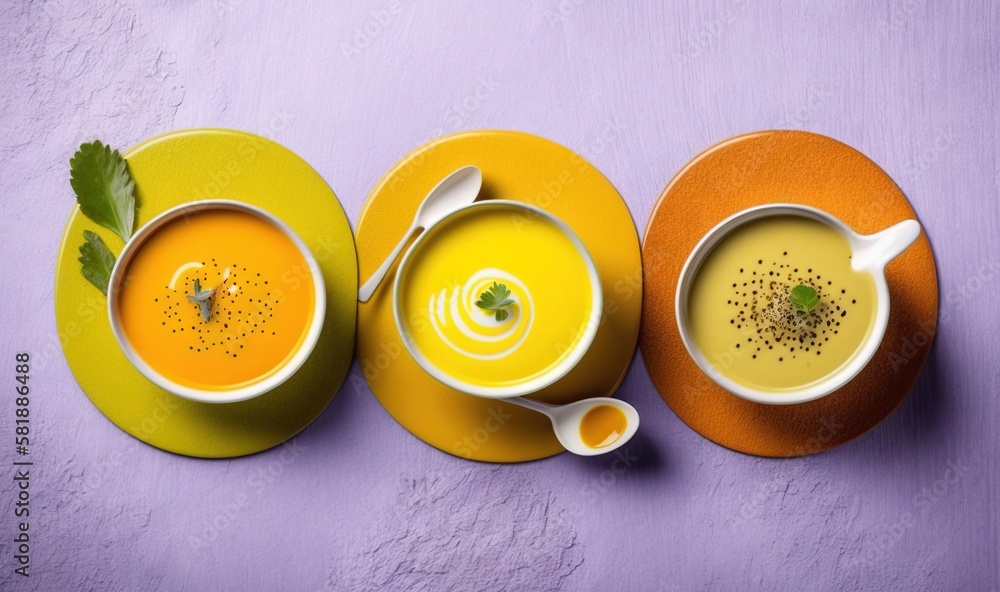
pixel 803 298
pixel 496 299
pixel 97 261
pixel 103 187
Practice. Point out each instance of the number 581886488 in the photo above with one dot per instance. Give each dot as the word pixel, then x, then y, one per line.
pixel 21 412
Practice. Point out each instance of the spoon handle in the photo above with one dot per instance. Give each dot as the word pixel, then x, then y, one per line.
pixel 876 250
pixel 376 278
pixel 529 404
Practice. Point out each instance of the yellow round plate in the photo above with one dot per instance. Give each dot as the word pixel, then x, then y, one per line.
pixel 200 164
pixel 520 167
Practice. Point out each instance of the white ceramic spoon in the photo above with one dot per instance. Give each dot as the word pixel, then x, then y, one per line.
pixel 566 421
pixel 454 191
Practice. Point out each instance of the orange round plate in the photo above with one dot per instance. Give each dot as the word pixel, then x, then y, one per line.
pixel 520 167
pixel 796 167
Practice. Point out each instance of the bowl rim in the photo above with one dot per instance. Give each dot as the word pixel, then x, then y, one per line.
pixel 812 391
pixel 242 393
pixel 535 384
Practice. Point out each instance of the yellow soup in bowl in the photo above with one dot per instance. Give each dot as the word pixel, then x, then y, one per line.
pixel 746 315
pixel 260 313
pixel 498 253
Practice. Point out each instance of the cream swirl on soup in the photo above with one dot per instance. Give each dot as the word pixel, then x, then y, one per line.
pixel 550 307
pixel 456 318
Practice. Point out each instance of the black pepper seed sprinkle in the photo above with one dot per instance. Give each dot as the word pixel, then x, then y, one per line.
pixel 767 312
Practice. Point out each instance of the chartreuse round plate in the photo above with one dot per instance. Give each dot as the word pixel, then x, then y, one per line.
pixel 525 168
pixel 188 166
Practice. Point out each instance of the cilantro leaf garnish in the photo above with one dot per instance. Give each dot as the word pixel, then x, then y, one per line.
pixel 803 298
pixel 103 187
pixel 496 299
pixel 97 261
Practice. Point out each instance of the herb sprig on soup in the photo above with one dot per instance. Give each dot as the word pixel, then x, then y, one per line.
pixel 777 306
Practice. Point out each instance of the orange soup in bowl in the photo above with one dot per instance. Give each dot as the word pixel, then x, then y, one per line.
pixel 216 299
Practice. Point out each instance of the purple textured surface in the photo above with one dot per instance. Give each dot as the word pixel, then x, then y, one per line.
pixel 355 502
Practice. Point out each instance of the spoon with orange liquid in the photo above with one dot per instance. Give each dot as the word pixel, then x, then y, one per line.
pixel 588 427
